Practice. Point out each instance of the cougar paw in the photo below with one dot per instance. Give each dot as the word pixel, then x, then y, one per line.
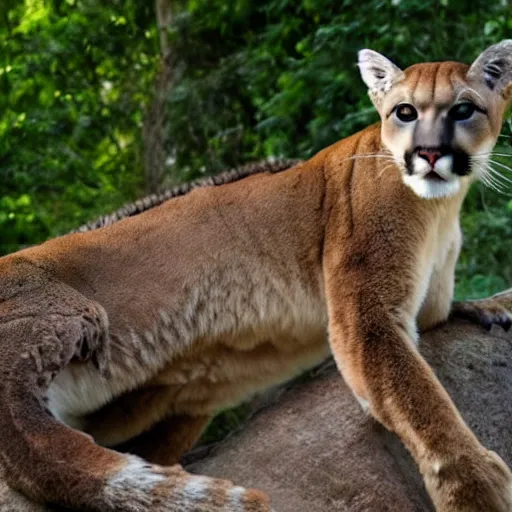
pixel 141 487
pixel 86 335
pixel 485 312
pixel 93 341
pixel 62 337
pixel 472 484
pixel 208 495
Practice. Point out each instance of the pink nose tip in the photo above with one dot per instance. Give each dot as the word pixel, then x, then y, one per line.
pixel 430 155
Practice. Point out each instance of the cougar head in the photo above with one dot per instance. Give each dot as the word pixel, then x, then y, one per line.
pixel 441 120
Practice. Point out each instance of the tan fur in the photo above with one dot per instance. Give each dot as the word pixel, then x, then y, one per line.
pixel 199 302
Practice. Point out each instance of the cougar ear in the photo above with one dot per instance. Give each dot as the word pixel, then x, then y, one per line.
pixel 494 68
pixel 378 73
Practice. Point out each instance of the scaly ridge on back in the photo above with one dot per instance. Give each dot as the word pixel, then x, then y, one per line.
pixel 154 200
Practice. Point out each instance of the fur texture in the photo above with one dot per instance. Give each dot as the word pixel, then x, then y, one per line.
pixel 209 297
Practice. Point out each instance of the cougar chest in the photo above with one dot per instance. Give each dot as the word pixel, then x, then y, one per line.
pixel 435 285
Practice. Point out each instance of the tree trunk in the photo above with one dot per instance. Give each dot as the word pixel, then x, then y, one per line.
pixel 154 132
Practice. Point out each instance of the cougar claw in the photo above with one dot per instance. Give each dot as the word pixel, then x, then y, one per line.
pixel 485 312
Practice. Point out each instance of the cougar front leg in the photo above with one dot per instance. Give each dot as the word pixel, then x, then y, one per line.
pixel 374 349
pixel 54 464
pixel 486 312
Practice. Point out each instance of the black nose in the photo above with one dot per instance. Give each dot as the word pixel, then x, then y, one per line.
pixel 430 155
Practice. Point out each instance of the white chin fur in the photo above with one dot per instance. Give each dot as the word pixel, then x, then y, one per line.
pixel 430 189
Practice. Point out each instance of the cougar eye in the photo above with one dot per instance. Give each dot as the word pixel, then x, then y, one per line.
pixel 406 113
pixel 462 111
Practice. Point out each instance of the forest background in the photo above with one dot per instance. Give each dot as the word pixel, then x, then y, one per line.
pixel 102 102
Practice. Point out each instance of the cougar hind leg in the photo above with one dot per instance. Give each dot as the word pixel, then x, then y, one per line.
pixel 44 324
pixel 168 440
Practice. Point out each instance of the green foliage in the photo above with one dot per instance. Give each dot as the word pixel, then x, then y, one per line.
pixel 226 423
pixel 74 77
pixel 485 265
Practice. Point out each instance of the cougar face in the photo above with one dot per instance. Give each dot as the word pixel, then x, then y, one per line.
pixel 440 120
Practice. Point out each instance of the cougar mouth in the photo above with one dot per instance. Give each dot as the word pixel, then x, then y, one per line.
pixel 433 176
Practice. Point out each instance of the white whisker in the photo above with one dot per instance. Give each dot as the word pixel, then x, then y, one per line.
pixel 490 153
pixel 491 183
pixel 472 91
pixel 492 186
pixel 504 187
pixel 385 169
pixel 488 177
pixel 503 166
pixel 489 165
pixel 497 176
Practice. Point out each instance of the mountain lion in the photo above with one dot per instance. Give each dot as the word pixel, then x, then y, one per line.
pixel 133 335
